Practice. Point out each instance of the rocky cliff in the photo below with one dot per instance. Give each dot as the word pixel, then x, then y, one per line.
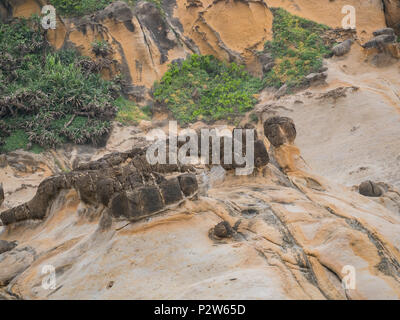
pixel 323 201
pixel 146 40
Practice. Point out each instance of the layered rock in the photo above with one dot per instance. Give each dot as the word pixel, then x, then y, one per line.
pixel 123 182
pixel 271 235
pixel 392 14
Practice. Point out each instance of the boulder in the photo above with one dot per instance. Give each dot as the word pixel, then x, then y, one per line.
pixel 342 48
pixel 370 189
pixel 387 31
pixel 380 41
pixel 280 130
pixel 223 230
pixel 188 184
pixel 316 77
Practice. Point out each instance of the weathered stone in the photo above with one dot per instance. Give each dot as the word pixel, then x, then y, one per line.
pixel 261 157
pixel 7 245
pixel 223 230
pixel 370 189
pixel 380 41
pixel 14 262
pixel 280 130
pixel 123 182
pixel 171 191
pixel 188 184
pixel 119 205
pixel 105 190
pixel 316 77
pixel 150 200
pixel 342 48
pixel 387 31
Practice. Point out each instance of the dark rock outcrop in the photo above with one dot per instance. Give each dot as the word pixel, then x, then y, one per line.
pixel 123 182
pixel 370 189
pixel 380 41
pixel 7 246
pixel 342 48
pixel 388 31
pixel 223 230
pixel 280 130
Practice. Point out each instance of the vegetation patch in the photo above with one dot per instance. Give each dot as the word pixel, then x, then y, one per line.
pixel 48 98
pixel 203 88
pixel 297 47
pixel 75 8
pixel 129 113
pixel 79 7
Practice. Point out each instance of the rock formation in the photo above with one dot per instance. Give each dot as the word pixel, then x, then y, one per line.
pixel 115 227
pixel 123 182
pixel 280 130
pixel 279 235
pixel 342 48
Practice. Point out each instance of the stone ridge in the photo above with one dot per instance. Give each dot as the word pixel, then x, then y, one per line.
pixel 126 177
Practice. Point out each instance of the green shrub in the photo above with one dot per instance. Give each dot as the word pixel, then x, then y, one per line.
pixel 82 7
pixel 79 7
pixel 47 95
pixel 129 113
pixel 297 48
pixel 17 140
pixel 203 88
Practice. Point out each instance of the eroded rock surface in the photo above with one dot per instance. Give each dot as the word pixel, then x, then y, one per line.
pixel 271 235
pixel 124 182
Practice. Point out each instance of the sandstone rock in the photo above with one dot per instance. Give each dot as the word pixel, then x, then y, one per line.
pixel 14 262
pixel 280 130
pixel 342 48
pixel 188 184
pixel 370 189
pixel 118 11
pixel 387 31
pixel 380 41
pixel 316 77
pixel 223 230
pixel 7 246
pixel 125 182
pixel 392 14
pixel 171 191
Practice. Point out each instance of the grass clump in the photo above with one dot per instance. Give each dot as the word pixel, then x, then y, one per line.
pixel 79 7
pixel 203 88
pixel 75 8
pixel 297 48
pixel 48 98
pixel 129 113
